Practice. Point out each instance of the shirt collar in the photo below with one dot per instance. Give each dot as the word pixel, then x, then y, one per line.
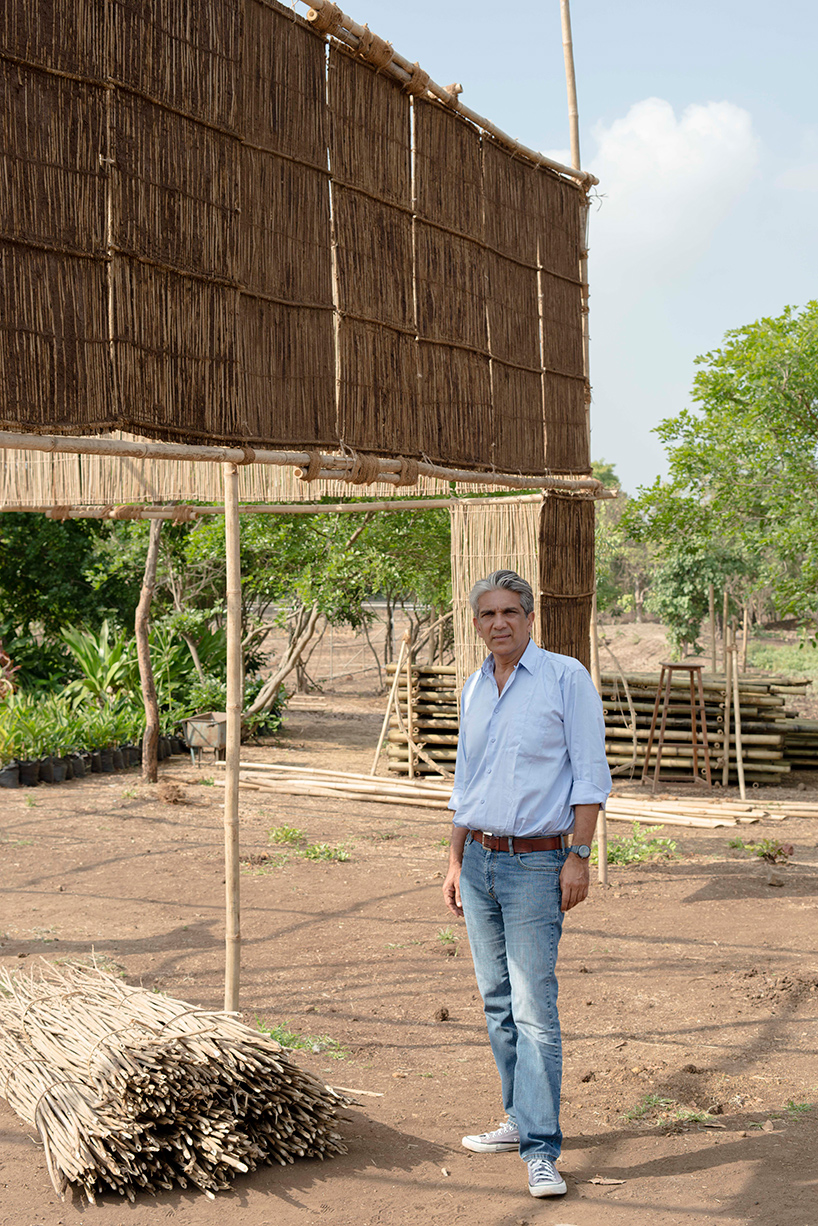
pixel 528 660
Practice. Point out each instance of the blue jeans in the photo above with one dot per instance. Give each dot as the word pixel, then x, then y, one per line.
pixel 514 922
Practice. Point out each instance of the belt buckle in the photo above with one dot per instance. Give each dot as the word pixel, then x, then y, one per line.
pixel 491 841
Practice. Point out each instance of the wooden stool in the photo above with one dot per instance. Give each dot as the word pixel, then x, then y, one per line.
pixel 695 693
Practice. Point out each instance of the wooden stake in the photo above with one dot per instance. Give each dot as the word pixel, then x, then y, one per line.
pixel 410 715
pixel 389 705
pixel 711 597
pixel 150 741
pixel 739 748
pixel 232 934
pixel 725 618
pixel 745 636
pixel 595 673
pixel 602 847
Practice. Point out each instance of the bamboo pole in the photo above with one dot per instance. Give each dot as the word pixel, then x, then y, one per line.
pixel 711 600
pixel 335 467
pixel 745 636
pixel 737 712
pixel 570 82
pixel 390 703
pixel 233 752
pixel 150 740
pixel 728 695
pixel 410 715
pixel 725 618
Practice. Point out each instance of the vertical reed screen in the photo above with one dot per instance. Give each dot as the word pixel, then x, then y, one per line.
pixel 566 554
pixel 216 227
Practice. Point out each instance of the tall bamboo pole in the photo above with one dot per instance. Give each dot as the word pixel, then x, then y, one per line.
pixel 711 600
pixel 745 636
pixel 728 695
pixel 392 699
pixel 232 935
pixel 725 618
pixel 150 741
pixel 410 712
pixel 737 710
pixel 570 81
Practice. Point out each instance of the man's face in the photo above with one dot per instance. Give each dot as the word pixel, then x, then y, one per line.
pixel 502 624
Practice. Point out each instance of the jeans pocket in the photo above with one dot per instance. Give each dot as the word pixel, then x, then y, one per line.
pixel 541 861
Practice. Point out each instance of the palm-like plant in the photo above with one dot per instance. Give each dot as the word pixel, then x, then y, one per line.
pixel 106 662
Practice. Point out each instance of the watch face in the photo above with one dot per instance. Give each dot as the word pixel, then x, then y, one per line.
pixel 582 851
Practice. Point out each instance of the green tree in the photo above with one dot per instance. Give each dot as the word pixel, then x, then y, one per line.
pixel 743 466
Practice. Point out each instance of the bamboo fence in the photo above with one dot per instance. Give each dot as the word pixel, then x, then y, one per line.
pixel 131 1091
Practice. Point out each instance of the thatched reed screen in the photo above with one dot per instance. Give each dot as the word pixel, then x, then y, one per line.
pixel 216 227
pixel 489 536
pixel 566 565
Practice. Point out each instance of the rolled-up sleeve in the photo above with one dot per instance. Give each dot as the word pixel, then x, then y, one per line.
pixel 585 738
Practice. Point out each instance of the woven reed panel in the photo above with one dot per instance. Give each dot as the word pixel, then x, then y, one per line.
pixel 567 575
pixel 184 53
pixel 486 537
pixel 54 359
pixel 562 233
pixel 287 346
pixel 450 276
pixel 370 159
pixel 177 359
pixel 68 36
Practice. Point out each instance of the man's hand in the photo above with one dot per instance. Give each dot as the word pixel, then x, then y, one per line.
pixel 575 879
pixel 451 890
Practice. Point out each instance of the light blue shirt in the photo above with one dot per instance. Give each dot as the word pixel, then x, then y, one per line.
pixel 526 756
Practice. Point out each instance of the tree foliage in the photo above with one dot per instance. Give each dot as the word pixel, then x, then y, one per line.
pixel 743 479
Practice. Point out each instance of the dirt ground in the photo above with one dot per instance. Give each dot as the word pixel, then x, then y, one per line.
pixel 692 981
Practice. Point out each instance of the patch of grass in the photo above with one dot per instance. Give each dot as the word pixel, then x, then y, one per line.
pixel 386 835
pixel 446 936
pixel 801 660
pixel 293 1041
pixel 639 847
pixel 323 851
pixel 258 865
pixel 289 836
pixel 796 1110
pixel 208 782
pixel 128 793
pixel 30 802
pixel 444 842
pixel 660 1111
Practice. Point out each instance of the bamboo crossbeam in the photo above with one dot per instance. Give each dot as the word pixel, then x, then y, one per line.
pixel 351 32
pixel 338 467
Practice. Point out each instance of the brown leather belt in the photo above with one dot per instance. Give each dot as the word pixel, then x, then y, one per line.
pixel 495 842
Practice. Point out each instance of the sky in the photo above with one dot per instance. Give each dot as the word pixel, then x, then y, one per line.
pixel 700 120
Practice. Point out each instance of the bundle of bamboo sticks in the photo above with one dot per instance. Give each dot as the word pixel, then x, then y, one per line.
pixel 428 713
pixel 131 1091
pixel 767 726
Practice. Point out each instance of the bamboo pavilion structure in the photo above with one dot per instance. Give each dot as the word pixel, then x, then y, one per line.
pixel 231 235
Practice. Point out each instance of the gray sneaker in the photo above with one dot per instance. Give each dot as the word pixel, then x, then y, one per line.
pixel 544 1179
pixel 506 1137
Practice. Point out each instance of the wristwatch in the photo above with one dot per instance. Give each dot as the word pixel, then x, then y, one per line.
pixel 581 850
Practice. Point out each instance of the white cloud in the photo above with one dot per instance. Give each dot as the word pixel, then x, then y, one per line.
pixel 667 183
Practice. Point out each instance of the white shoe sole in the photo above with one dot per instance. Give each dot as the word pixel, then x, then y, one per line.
pixel 554 1189
pixel 489 1147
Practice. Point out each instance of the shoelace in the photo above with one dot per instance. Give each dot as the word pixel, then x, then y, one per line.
pixel 543 1167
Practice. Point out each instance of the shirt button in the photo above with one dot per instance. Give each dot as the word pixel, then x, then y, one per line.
pixel 493 739
pixel 482 802
pixel 488 772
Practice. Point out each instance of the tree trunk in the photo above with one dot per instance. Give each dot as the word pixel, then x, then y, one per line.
pixel 638 599
pixel 150 741
pixel 194 655
pixel 388 641
pixel 268 693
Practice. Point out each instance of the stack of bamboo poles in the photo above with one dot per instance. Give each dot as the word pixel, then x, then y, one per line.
pixel 133 1091
pixel 435 794
pixel 766 725
pixel 425 717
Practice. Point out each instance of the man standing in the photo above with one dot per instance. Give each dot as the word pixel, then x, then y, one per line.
pixel 530 778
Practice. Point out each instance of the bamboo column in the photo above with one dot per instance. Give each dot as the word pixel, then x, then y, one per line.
pixel 725 618
pixel 728 697
pixel 232 934
pixel 739 746
pixel 392 702
pixel 745 636
pixel 410 711
pixel 150 741
pixel 711 598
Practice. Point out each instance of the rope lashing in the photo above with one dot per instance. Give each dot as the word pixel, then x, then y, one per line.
pixel 126 512
pixel 376 51
pixel 61 513
pixel 327 20
pixel 313 470
pixel 418 81
pixel 409 471
pixel 184 514
pixel 366 470
pixel 249 456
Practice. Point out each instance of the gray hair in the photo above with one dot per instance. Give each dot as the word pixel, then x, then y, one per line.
pixel 507 579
